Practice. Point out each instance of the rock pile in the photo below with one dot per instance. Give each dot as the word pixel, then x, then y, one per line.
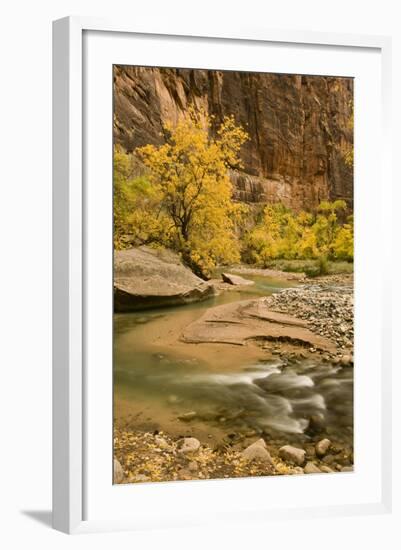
pixel 328 311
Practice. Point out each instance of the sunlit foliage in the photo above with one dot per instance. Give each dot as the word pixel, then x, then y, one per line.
pixel 284 234
pixel 179 195
pixel 138 218
pixel 185 201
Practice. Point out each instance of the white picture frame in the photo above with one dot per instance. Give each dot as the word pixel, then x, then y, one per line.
pixel 70 261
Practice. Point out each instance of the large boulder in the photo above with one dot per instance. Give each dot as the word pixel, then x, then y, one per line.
pixel 146 278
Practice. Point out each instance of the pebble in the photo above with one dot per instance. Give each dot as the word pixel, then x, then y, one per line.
pixel 322 447
pixel 184 474
pixel 292 454
pixel 161 443
pixel 329 459
pixel 188 445
pixel 311 468
pixel 326 469
pixel 257 451
pixel 141 478
pixel 193 466
pixel 297 470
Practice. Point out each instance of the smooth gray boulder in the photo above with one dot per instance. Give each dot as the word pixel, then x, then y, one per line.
pixel 146 278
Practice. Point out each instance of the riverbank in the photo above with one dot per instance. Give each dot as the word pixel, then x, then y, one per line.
pixel 284 378
pixel 297 269
pixel 148 457
pixel 326 304
pixel 313 319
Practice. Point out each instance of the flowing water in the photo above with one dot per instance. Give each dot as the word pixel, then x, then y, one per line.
pixel 216 391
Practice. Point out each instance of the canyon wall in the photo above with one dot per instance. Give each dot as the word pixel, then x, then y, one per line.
pixel 299 126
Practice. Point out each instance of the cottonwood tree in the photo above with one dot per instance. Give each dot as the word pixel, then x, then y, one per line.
pixel 190 174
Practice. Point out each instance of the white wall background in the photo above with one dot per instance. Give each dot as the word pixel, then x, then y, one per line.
pixel 25 289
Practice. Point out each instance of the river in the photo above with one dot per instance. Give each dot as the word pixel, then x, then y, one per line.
pixel 217 391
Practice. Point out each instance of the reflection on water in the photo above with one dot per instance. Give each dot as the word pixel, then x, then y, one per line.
pixel 154 387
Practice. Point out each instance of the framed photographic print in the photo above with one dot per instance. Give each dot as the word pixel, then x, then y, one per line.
pixel 219 327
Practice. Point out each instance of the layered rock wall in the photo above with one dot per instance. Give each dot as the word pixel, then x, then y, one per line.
pixel 299 126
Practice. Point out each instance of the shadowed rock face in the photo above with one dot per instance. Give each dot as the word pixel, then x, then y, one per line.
pixel 299 126
pixel 145 278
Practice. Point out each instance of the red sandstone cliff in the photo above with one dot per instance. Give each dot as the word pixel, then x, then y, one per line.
pixel 299 126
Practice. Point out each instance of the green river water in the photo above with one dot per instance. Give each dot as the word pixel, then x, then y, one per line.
pixel 228 390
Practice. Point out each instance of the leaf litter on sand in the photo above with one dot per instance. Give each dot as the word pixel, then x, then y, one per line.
pixel 145 456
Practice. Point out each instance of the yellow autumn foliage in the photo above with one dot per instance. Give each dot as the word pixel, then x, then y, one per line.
pixel 283 234
pixel 189 175
pixel 179 195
